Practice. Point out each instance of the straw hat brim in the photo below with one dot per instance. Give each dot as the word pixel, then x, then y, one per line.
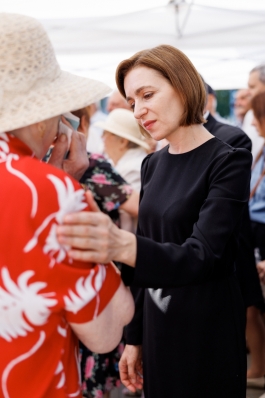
pixel 66 93
pixel 115 129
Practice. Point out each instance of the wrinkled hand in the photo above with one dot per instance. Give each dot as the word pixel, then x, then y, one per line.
pixel 77 161
pixel 131 368
pixel 93 232
pixel 261 271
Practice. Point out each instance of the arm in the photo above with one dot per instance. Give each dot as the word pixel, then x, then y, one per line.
pixel 196 258
pixel 113 318
pixel 91 297
pixel 109 188
pixel 131 205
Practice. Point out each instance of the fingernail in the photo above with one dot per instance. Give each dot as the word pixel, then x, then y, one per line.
pixel 62 137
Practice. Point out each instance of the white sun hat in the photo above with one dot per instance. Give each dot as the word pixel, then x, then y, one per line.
pixel 121 122
pixel 32 85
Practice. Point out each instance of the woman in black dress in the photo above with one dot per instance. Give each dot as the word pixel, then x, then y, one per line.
pixel 190 319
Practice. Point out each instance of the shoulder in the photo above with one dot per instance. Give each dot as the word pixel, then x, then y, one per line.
pixel 232 135
pixel 44 176
pixel 224 157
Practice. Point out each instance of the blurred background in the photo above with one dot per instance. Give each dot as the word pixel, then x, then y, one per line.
pixel 223 38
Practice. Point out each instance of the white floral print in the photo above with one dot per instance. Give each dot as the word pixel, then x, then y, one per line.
pixel 69 201
pixel 85 292
pixel 20 302
pixel 4 147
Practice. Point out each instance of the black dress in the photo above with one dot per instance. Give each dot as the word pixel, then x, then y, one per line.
pixel 190 316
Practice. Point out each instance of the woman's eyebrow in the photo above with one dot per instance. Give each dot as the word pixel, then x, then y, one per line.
pixel 138 91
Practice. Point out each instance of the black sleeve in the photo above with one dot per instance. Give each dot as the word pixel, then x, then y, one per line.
pixel 171 265
pixel 134 331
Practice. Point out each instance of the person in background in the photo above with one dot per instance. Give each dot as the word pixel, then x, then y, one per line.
pixel 126 148
pixel 256 85
pixel 241 105
pixel 257 195
pixel 46 299
pixel 94 141
pixel 211 105
pixel 116 101
pixel 245 263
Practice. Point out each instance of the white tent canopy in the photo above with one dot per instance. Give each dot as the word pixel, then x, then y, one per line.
pixel 224 39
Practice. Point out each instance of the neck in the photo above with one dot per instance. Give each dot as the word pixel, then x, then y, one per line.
pixel 26 135
pixel 186 139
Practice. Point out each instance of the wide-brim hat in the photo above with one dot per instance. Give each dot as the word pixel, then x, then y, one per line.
pixel 121 122
pixel 33 87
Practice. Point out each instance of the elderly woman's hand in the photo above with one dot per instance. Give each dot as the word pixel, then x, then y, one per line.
pixel 95 238
pixel 77 161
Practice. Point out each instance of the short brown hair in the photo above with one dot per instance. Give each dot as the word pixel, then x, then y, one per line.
pixel 258 106
pixel 176 67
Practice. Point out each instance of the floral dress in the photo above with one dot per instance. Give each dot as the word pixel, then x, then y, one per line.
pixel 100 372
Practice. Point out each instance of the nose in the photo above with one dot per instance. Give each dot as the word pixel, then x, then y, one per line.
pixel 139 110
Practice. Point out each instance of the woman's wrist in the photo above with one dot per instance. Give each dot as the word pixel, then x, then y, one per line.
pixel 126 248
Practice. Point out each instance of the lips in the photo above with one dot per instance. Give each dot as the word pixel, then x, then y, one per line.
pixel 148 124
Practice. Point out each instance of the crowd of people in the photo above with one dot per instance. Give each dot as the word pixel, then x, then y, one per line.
pixel 132 240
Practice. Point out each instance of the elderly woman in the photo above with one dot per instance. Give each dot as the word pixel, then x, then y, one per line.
pixel 187 337
pixel 47 299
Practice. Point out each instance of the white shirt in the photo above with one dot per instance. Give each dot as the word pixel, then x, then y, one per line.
pixel 257 141
pixel 94 141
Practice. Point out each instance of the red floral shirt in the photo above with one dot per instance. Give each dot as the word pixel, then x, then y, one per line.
pixel 41 289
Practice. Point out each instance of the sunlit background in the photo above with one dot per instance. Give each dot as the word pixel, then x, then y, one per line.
pixel 224 39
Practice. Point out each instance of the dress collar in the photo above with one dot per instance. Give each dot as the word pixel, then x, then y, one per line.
pixel 15 145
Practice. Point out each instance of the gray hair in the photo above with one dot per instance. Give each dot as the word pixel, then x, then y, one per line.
pixel 261 71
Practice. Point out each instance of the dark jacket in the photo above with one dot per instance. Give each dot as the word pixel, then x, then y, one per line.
pixel 232 135
pixel 245 262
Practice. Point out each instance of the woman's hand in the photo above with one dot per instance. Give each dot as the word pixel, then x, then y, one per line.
pixel 261 271
pixel 131 368
pixel 77 161
pixel 95 238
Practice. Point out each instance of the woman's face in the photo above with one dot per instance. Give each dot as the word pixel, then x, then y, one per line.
pixel 157 106
pixel 260 127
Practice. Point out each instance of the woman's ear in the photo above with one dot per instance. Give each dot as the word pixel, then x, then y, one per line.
pixel 41 127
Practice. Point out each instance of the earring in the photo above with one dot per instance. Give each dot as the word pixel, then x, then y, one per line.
pixel 41 129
